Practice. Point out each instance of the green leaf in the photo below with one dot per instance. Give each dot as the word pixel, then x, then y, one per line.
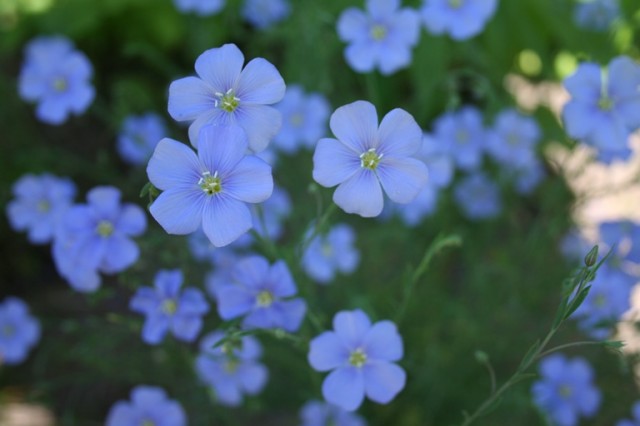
pixel 531 353
pixel 577 301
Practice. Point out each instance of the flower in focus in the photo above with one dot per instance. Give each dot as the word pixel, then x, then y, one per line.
pixel 461 19
pixel 478 197
pixel 565 391
pixel 365 156
pixel 167 308
pixel 257 291
pixel 209 189
pixel 200 7
pixel 225 94
pixel 635 410
pixel 461 135
pixel 317 413
pixel 40 203
pixel 95 237
pixel 262 14
pixel 596 15
pixel 231 369
pixel 382 37
pixel 139 136
pixel 361 359
pixel 19 331
pixel 56 76
pixel 149 406
pixel 330 253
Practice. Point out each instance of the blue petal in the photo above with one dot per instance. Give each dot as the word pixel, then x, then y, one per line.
pixel 261 83
pixel 189 98
pixel 216 117
pixel 399 134
pixel 383 381
pixel 131 221
pixel 356 126
pixel 221 148
pixel 351 327
pixel 260 122
pixel 234 302
pixel 173 164
pixel 353 25
pixel 402 178
pixel 192 302
pixel 121 253
pixel 121 413
pixel 292 313
pixel 406 27
pixel 382 9
pixel 220 67
pixel 105 200
pixel 382 342
pixel 334 162
pixel 280 280
pixel 252 377
pixel 168 282
pixel 52 110
pixel 586 83
pixel 250 181
pixel 578 119
pixel 360 194
pixel 624 78
pixel 148 396
pixel 179 211
pixel 344 387
pixel 225 219
pixel 186 327
pixel 144 301
pixel 251 272
pixel 361 56
pixel 327 351
pixel 154 329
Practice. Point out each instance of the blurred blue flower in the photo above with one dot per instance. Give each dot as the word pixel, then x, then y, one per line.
pixel 200 7
pixel 332 252
pixel 167 308
pixel 224 94
pixel 139 136
pixel 317 413
pixel 304 119
pixel 478 197
pixel 149 406
pixel 95 237
pixel 605 105
pixel 19 331
pixel 222 272
pixel 382 37
pixel 209 189
pixel 264 13
pixel 461 19
pixel 258 291
pixel 527 175
pixel 461 135
pixel 361 359
pixel 365 156
pixel 422 206
pixel 512 139
pixel 635 410
pixel 623 236
pixel 566 391
pixel 232 369
pixel 202 249
pixel 56 76
pixel 40 203
pixel 268 216
pixel 574 246
pixel 596 15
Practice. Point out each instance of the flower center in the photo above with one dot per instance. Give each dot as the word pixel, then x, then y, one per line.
pixel 378 32
pixel 8 330
pixel 565 391
pixel 327 250
pixel 455 3
pixel 462 136
pixel 600 301
pixel 227 101
pixel 605 103
pixel 169 306
pixel 147 422
pixel 59 84
pixel 358 358
pixel 296 119
pixel 513 139
pixel 370 159
pixel 264 299
pixel 43 206
pixel 104 228
pixel 231 365
pixel 210 184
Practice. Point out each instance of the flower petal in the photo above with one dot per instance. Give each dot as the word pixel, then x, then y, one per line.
pixel 360 194
pixel 179 211
pixel 225 219
pixel 261 83
pixel 383 381
pixel 334 162
pixel 121 253
pixel 327 351
pixel 344 387
pixel 260 122
pixel 351 327
pixel 362 57
pixel 280 280
pixel 154 329
pixel 382 342
pixel 172 164
pixel 220 67
pixel 356 126
pixel 220 148
pixel 233 302
pixel 353 25
pixel 186 327
pixel 402 178
pixel 131 221
pixel 252 377
pixel 250 181
pixel 189 98
pixel 399 134
pixel 105 200
pixel 251 272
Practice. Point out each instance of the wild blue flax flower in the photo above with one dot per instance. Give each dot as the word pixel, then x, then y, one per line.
pixel 461 135
pixel 57 77
pixel 623 236
pixel 224 94
pixel 361 357
pixel 39 204
pixel 263 14
pixel 512 139
pixel 200 7
pixel 566 391
pixel 318 413
pixel 262 294
pixel 382 37
pixel 167 308
pixel 478 197
pixel 149 406
pixel 139 136
pixel 232 369
pixel 209 189
pixel 269 216
pixel 596 15
pixel 527 175
pixel 461 19
pixel 366 158
pixel 19 331
pixel 635 410
pixel 330 253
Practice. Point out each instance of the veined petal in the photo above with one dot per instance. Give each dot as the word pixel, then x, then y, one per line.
pixel 220 67
pixel 356 126
pixel 383 381
pixel 351 327
pixel 179 211
pixel 251 272
pixel 344 387
pixel 382 342
pixel 399 134
pixel 402 178
pixel 216 116
pixel 172 164
pixel 250 181
pixel 260 122
pixel 353 25
pixel 327 351
pixel 261 83
pixel 225 219
pixel 333 162
pixel 220 148
pixel 360 194
pixel 189 98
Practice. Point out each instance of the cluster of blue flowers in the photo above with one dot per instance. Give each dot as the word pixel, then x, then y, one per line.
pixel 261 14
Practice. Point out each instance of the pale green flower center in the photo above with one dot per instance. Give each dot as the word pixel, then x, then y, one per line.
pixel 513 139
pixel 605 103
pixel 358 358
pixel 8 330
pixel 378 32
pixel 600 301
pixel 264 299
pixel 565 391
pixel 59 84
pixel 227 101
pixel 296 119
pixel 43 206
pixel 147 422
pixel 462 136
pixel 169 306
pixel 455 3
pixel 104 228
pixel 326 249
pixel 370 159
pixel 210 184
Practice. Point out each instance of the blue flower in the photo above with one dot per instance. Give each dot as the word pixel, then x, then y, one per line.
pixel 232 369
pixel 304 119
pixel 202 249
pixel 512 139
pixel 258 292
pixel 605 105
pixel 167 308
pixel 222 273
pixel 40 203
pixel 624 237
pixel 478 197
pixel 225 93
pixel 149 406
pixel 95 237
pixel 263 14
pixel 19 331
pixel 424 205
pixel 330 253
pixel 268 221
pixel 317 413
pixel 461 19
pixel 361 359
pixel 209 189
pixel 596 15
pixel 574 246
pixel 380 38
pixel 635 410
pixel 200 7
pixel 139 136
pixel 527 175
pixel 461 135
pixel 364 156
pixel 56 76
pixel 566 391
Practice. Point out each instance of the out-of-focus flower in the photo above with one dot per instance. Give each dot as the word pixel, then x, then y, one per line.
pixel 382 37
pixel 461 135
pixel 461 19
pixel 361 357
pixel 574 246
pixel 19 331
pixel 566 391
pixel 262 14
pixel 635 410
pixel 318 413
pixel 365 158
pixel 527 175
pixel 268 216
pixel 200 7
pixel 149 406
pixel 262 293
pixel 40 203
pixel 225 94
pixel 232 369
pixel 167 308
pixel 95 237
pixel 478 197
pixel 330 253
pixel 512 139
pixel 139 136
pixel 623 236
pixel 56 76
pixel 596 15
pixel 209 189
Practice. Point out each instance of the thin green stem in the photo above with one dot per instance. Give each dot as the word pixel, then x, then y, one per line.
pixel 569 345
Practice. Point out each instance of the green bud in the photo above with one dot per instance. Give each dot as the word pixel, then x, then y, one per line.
pixel 592 257
pixel 481 357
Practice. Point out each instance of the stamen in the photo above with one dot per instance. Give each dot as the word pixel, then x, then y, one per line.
pixel 370 159
pixel 358 358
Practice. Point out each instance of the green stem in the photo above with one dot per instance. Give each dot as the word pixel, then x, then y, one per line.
pixel 569 345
